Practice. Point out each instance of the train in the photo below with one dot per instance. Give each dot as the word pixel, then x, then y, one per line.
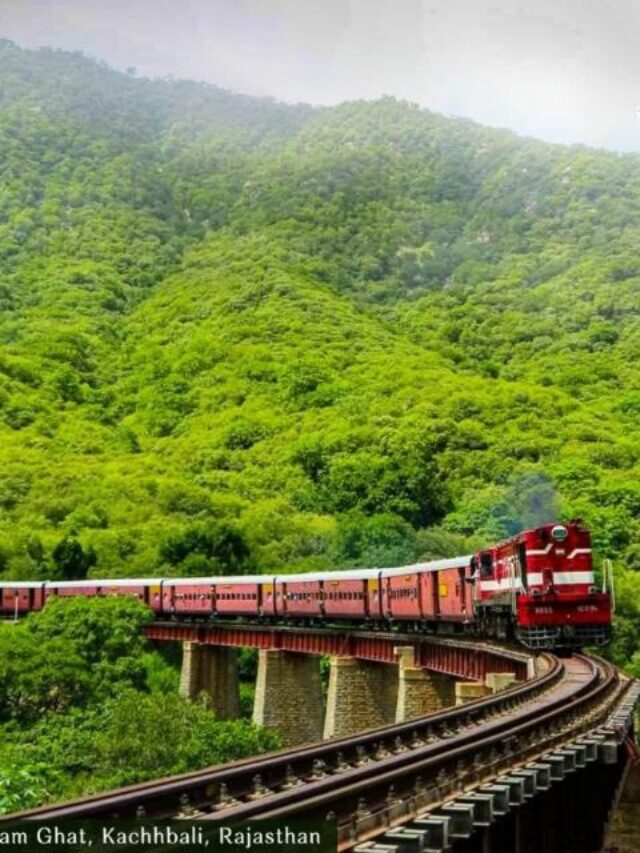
pixel 536 588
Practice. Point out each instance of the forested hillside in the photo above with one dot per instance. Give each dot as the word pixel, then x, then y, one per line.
pixel 237 335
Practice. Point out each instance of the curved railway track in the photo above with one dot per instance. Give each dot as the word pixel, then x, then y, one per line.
pixel 367 778
pixel 250 779
pixel 367 801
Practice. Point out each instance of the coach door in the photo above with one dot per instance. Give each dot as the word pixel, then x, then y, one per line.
pixel 435 593
pixel 464 590
pixel 385 593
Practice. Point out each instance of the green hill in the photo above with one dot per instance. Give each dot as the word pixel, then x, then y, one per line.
pixel 240 334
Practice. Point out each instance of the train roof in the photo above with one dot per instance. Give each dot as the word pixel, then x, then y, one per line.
pixel 366 574
pixel 355 574
pixel 576 525
pixel 343 574
pixel 218 579
pixel 431 566
pixel 90 582
pixel 221 579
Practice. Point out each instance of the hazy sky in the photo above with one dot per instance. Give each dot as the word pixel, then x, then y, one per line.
pixel 563 70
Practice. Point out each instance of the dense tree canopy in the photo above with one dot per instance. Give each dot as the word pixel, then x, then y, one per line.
pixel 237 335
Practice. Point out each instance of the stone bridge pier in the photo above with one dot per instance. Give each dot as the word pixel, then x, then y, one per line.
pixel 214 671
pixel 289 696
pixel 420 691
pixel 362 693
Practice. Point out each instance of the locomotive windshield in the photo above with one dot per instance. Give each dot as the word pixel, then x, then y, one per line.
pixel 486 565
pixel 522 559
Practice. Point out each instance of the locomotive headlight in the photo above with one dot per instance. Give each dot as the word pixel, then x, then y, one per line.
pixel 559 533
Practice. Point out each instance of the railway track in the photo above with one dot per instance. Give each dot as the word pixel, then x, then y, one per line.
pixel 250 780
pixel 384 777
pixel 368 801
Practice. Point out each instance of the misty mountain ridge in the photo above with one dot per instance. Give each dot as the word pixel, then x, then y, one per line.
pixel 242 335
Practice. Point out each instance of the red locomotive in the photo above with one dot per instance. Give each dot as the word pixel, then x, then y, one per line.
pixel 537 586
pixel 540 583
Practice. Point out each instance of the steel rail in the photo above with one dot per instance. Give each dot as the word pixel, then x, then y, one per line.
pixel 295 767
pixel 329 795
pixel 607 694
pixel 398 786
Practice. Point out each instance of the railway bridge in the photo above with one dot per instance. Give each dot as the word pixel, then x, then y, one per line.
pixel 427 745
pixel 375 678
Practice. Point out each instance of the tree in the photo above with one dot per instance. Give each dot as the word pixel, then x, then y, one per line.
pixel 221 548
pixel 375 541
pixel 128 749
pixel 37 674
pixel 106 633
pixel 70 559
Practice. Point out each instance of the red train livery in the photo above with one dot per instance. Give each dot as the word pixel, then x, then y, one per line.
pixel 537 586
